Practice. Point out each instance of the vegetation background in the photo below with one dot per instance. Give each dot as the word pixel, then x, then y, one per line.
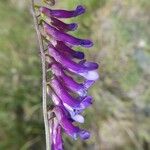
pixel 119 118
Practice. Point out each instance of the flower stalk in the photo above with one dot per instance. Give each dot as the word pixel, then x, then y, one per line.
pixel 44 83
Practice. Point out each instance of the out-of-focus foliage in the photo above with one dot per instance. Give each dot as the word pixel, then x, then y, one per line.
pixel 119 119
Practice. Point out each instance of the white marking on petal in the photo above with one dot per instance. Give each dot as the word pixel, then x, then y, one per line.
pixel 90 75
pixel 68 107
pixel 82 92
pixel 78 118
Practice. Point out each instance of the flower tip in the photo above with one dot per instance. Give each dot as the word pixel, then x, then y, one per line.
pixel 84 134
pixel 79 55
pixel 86 102
pixel 86 43
pixel 91 65
pixel 79 10
pixel 73 26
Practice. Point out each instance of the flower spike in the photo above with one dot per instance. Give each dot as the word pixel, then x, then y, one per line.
pixel 69 96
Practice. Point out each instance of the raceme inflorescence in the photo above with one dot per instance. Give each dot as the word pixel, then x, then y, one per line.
pixel 71 74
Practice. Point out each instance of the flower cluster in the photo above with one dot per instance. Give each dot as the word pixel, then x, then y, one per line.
pixel 70 96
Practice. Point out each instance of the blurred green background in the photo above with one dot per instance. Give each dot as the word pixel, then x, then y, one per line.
pixel 120 116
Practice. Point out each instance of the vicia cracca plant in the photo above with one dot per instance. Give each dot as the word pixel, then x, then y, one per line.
pixel 67 66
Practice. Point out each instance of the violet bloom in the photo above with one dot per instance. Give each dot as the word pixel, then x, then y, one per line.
pixel 63 26
pixel 62 13
pixel 85 69
pixel 67 38
pixel 68 51
pixel 66 123
pixel 69 82
pixel 69 96
pixel 73 114
pixel 68 100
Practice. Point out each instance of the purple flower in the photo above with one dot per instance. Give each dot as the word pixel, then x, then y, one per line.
pixel 67 99
pixel 85 69
pixel 63 26
pixel 69 82
pixel 62 13
pixel 68 126
pixel 74 115
pixel 68 51
pixel 61 36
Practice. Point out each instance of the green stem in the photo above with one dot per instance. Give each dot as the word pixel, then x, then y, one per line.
pixel 44 91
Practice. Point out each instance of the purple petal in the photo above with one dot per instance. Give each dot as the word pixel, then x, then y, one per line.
pixel 81 69
pixel 63 94
pixel 84 134
pixel 69 81
pixel 67 99
pixel 69 128
pixel 62 13
pixel 67 125
pixel 63 26
pixel 75 116
pixel 61 36
pixel 88 83
pixel 68 51
pixel 91 65
pixel 86 102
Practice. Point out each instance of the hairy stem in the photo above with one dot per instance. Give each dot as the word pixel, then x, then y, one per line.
pixel 43 61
